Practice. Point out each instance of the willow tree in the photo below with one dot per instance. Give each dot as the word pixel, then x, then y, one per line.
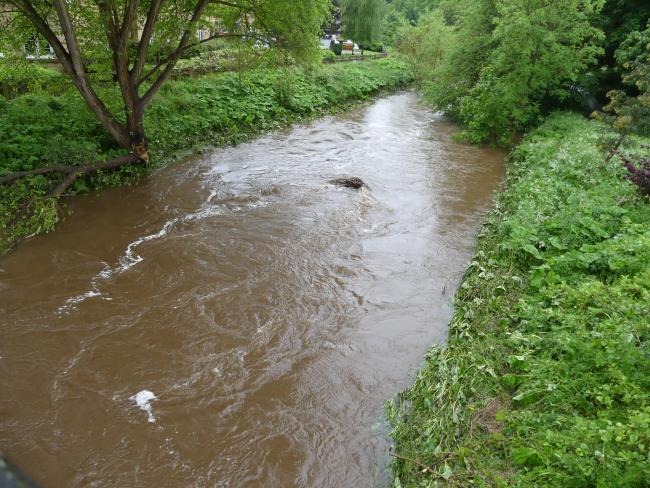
pixel 119 34
pixel 363 19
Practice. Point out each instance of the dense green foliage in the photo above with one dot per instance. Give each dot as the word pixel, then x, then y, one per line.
pixel 617 20
pixel 629 111
pixel 500 66
pixel 544 381
pixel 41 130
pixel 410 9
pixel 503 61
pixel 18 77
pixel 426 45
pixel 401 14
pixel 363 20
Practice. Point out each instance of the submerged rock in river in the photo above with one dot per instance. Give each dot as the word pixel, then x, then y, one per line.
pixel 352 182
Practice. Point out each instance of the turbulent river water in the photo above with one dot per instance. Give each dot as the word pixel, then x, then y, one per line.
pixel 234 320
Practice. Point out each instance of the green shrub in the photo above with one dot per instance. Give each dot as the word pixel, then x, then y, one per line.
pixel 18 77
pixel 328 54
pixel 203 63
pixel 377 47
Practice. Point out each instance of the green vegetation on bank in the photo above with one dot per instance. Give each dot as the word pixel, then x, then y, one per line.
pixel 41 130
pixel 499 67
pixel 544 380
pixel 19 77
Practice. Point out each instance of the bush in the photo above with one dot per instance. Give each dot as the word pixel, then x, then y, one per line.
pixel 207 62
pixel 497 66
pixel 337 48
pixel 328 54
pixel 375 47
pixel 18 77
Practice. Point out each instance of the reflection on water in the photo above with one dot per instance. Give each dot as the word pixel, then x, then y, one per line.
pixel 234 320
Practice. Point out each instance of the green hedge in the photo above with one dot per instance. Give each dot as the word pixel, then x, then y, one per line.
pixel 545 381
pixel 41 130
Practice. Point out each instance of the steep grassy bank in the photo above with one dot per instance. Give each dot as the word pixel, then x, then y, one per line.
pixel 41 130
pixel 545 380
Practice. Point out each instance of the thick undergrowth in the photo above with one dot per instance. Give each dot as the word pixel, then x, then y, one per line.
pixel 42 130
pixel 545 380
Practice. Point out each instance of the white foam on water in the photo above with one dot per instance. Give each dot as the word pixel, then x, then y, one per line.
pixel 70 303
pixel 130 258
pixel 213 194
pixel 127 261
pixel 143 400
pixel 81 298
pixel 203 213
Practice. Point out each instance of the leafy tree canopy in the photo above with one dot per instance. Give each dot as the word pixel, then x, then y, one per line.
pixel 508 59
pixel 363 20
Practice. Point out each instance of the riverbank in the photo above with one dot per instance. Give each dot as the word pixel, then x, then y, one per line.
pixel 545 378
pixel 218 109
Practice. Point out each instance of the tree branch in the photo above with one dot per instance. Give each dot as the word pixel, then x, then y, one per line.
pixel 145 40
pixel 72 170
pixel 78 76
pixel 130 16
pixel 164 76
pixel 44 29
pixel 70 36
pixel 66 183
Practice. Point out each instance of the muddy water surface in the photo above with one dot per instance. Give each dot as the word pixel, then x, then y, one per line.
pixel 234 320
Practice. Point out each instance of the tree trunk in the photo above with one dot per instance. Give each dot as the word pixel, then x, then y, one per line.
pixel 119 29
pixel 139 144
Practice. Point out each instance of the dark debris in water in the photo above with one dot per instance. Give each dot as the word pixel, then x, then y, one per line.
pixel 351 182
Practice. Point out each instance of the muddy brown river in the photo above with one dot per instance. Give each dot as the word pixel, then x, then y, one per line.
pixel 234 320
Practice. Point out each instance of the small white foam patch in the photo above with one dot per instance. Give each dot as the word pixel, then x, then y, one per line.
pixel 143 400
pixel 130 258
pixel 213 194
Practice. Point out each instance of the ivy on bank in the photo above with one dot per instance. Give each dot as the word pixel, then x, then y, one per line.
pixel 545 380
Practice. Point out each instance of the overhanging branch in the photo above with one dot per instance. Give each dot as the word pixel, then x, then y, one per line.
pixel 71 172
